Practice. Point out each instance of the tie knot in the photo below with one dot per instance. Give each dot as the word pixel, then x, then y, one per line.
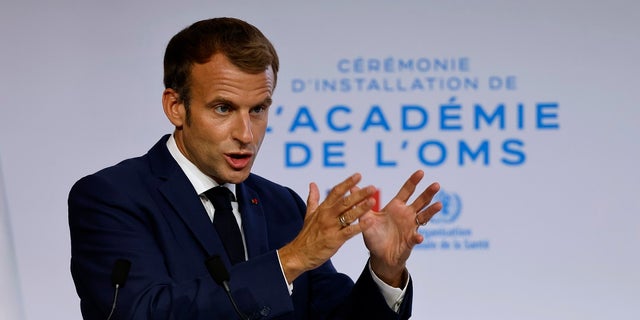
pixel 220 197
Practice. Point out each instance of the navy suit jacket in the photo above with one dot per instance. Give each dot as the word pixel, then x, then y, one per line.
pixel 145 210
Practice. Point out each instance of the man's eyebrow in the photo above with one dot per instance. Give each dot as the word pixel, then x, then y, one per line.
pixel 267 102
pixel 218 100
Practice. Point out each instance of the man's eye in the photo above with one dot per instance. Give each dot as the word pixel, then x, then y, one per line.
pixel 222 108
pixel 259 109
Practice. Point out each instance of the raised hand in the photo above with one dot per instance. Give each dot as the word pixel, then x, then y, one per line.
pixel 391 234
pixel 327 226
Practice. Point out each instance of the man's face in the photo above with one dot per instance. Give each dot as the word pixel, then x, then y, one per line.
pixel 228 120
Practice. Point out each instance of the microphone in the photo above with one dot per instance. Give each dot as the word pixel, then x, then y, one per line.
pixel 119 276
pixel 220 275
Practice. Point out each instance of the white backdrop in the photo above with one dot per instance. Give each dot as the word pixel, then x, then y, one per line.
pixel 525 113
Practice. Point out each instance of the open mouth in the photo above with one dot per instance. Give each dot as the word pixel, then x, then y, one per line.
pixel 239 160
pixel 239 156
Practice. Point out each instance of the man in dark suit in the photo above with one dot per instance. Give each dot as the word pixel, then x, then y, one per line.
pixel 157 210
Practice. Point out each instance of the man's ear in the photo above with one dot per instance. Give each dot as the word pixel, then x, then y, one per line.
pixel 174 107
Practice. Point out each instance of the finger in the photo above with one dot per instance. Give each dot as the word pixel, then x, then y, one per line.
pixel 356 211
pixel 353 190
pixel 425 215
pixel 426 196
pixel 313 197
pixel 354 200
pixel 339 191
pixel 417 238
pixel 350 231
pixel 409 186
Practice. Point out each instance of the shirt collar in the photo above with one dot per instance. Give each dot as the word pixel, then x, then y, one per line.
pixel 200 181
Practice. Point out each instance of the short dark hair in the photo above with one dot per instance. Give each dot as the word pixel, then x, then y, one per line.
pixel 242 43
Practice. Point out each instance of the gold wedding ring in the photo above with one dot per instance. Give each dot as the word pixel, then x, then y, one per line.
pixel 343 222
pixel 418 222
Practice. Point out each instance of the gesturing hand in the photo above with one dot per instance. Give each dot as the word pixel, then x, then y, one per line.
pixel 391 234
pixel 323 232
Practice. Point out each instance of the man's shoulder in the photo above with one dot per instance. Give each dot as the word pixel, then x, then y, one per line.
pixel 131 168
pixel 125 167
pixel 125 175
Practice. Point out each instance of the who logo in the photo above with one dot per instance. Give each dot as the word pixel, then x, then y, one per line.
pixel 451 207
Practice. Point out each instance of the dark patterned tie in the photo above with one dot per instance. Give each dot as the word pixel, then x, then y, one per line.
pixel 225 223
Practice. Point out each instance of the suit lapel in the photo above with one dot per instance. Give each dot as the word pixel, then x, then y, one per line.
pixel 187 205
pixel 253 220
pixel 182 198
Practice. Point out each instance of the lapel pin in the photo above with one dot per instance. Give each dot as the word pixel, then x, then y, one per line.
pixel 254 201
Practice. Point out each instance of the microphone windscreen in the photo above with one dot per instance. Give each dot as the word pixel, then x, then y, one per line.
pixel 216 269
pixel 120 272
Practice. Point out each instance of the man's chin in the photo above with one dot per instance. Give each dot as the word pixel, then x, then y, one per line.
pixel 236 177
